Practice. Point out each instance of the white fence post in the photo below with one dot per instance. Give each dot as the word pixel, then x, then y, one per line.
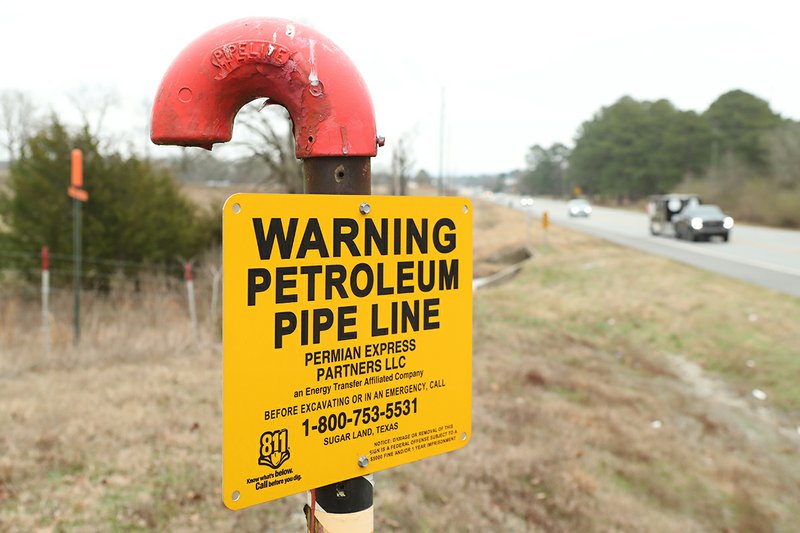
pixel 187 275
pixel 216 275
pixel 46 299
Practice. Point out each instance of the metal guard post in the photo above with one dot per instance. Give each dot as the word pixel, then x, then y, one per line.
pixel 334 128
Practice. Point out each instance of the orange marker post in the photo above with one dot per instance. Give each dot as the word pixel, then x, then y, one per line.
pixel 76 179
pixel 78 195
pixel 75 189
pixel 545 225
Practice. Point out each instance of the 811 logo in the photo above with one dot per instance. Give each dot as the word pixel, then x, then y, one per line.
pixel 274 449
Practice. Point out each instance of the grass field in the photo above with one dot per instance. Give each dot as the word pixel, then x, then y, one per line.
pixel 613 391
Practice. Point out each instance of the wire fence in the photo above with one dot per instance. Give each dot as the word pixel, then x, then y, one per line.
pixel 179 300
pixel 30 263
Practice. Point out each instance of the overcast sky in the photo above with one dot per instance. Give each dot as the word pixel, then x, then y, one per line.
pixel 514 73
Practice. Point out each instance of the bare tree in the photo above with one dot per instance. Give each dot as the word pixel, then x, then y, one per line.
pixel 93 105
pixel 402 162
pixel 18 119
pixel 784 154
pixel 270 139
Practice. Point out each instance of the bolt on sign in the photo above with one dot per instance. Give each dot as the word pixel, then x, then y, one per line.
pixel 347 337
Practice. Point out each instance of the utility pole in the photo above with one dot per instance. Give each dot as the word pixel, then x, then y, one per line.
pixel 441 146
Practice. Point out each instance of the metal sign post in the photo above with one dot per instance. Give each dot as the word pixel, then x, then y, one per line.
pixel 325 380
pixel 295 66
pixel 76 269
pixel 350 502
pixel 78 195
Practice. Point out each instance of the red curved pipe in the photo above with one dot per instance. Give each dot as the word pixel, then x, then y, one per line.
pixel 290 64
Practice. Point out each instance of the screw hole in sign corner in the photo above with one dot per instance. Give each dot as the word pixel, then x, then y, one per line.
pixel 464 436
pixel 236 208
pixel 235 496
pixel 465 209
pixel 338 174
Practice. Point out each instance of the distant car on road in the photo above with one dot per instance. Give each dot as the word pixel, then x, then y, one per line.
pixel 526 201
pixel 702 222
pixel 579 208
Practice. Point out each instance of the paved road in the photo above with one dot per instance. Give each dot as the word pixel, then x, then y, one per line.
pixel 763 256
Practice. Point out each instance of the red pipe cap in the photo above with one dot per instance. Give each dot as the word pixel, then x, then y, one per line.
pixel 290 64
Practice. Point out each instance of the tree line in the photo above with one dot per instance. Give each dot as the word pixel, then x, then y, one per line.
pixel 135 214
pixel 738 153
pixel 737 148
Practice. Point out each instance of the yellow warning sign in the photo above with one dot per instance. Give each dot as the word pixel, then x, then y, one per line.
pixel 347 337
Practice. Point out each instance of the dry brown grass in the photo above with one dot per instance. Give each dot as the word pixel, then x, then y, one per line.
pixel 586 420
pixel 574 361
pixel 123 432
pixel 500 234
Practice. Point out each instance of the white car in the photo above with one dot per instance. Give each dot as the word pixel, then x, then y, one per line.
pixel 579 208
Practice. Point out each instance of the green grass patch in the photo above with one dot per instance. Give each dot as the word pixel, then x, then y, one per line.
pixel 745 335
pixel 570 394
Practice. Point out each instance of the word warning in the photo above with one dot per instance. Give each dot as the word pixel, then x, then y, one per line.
pixel 347 337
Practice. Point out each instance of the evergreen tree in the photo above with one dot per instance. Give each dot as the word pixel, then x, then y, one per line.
pixel 739 121
pixel 632 149
pixel 546 173
pixel 135 213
